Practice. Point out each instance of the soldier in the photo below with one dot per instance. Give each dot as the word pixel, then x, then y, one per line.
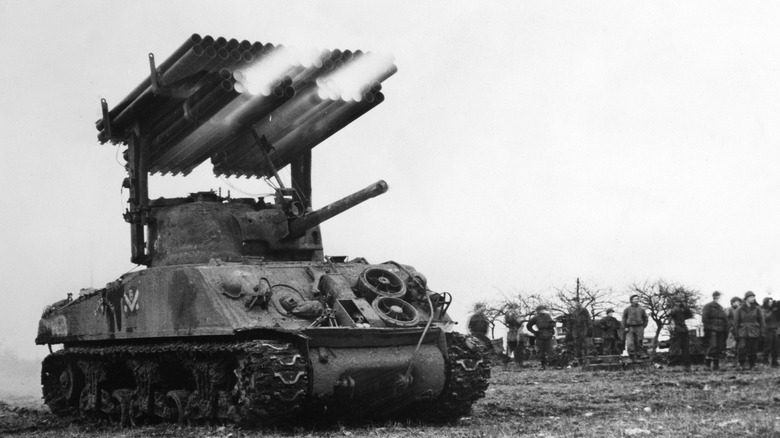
pixel 749 327
pixel 542 326
pixel 580 325
pixel 479 325
pixel 512 321
pixel 634 323
pixel 771 341
pixel 678 315
pixel 609 328
pixel 716 328
pixel 522 341
pixel 731 341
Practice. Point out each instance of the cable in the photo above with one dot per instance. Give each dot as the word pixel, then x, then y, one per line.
pixel 255 195
pixel 117 157
pixel 270 183
pixel 300 193
pixel 408 373
pixel 284 285
pixel 131 270
pixel 122 187
pixel 121 200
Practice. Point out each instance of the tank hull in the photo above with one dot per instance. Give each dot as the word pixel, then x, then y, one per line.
pixel 216 299
pixel 217 341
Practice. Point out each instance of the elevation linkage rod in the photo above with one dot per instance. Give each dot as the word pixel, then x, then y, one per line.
pixel 262 142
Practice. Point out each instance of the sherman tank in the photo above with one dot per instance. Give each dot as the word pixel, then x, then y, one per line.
pixel 237 314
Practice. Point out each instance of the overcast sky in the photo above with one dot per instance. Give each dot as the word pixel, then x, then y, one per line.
pixel 525 143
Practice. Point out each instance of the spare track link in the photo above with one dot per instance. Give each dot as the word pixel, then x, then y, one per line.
pixel 255 382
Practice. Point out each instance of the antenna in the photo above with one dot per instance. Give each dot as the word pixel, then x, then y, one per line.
pixel 578 289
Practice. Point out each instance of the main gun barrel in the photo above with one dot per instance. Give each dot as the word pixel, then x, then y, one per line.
pixel 312 219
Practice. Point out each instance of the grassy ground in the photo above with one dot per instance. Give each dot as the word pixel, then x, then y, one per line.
pixel 531 402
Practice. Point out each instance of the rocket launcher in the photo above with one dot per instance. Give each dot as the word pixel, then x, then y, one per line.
pixel 202 102
pixel 212 100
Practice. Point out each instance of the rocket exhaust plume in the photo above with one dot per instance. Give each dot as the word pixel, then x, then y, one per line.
pixel 356 76
pixel 261 76
pixel 212 91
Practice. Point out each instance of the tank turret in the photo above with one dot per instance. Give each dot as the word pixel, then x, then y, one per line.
pixel 206 226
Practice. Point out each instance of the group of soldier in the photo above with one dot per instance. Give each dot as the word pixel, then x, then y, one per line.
pixel 743 327
pixel 748 325
pixel 580 326
pixel 579 322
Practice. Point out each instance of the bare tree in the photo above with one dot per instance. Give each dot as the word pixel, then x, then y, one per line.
pixel 493 311
pixel 524 305
pixel 659 297
pixel 594 298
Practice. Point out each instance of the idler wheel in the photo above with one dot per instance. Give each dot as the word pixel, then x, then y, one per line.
pixel 396 312
pixel 71 383
pixel 375 282
pixel 62 384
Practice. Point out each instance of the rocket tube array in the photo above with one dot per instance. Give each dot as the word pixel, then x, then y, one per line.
pixel 310 135
pixel 293 135
pixel 178 53
pixel 206 140
pixel 197 54
pixel 195 115
pixel 217 90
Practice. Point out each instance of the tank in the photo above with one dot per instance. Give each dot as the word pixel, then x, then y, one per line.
pixel 237 314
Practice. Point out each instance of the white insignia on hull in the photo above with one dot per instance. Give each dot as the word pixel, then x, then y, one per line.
pixel 130 301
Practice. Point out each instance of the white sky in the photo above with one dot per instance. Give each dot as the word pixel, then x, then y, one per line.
pixel 525 143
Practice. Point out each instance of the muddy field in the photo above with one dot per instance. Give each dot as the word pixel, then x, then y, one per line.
pixel 664 402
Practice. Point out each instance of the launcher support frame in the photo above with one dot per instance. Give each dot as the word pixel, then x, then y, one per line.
pixel 137 182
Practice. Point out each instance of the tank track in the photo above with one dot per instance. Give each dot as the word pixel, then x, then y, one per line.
pixel 251 383
pixel 468 375
pixel 257 382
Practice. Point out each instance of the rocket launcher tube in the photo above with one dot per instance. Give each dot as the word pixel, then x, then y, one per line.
pixel 165 65
pixel 298 227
